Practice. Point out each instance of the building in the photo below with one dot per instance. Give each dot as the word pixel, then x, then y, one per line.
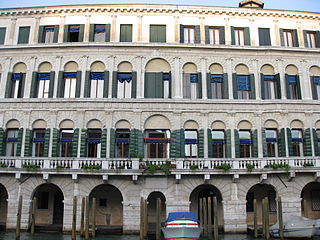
pixel 91 93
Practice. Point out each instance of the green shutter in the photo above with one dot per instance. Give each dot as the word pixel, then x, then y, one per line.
pixel 2 142
pixel 134 85
pixel 91 33
pixel 66 34
pixel 19 143
pixel 197 34
pixel 126 33
pixel 287 86
pixel 133 146
pixel 107 33
pixel 140 143
pixel 40 34
pixel 9 86
pixel 236 143
pixel 55 137
pixel 114 84
pixel 222 35
pixel 298 88
pixel 55 33
pixel 225 86
pixel 264 143
pixel 174 146
pixel 24 33
pixel 46 142
pixel 209 94
pixel 289 139
pixel 153 37
pixel 255 145
pixel 200 85
pixel 201 143
pixel 207 34
pixel 2 35
pixel 104 143
pixel 181 33
pixel 307 143
pixel 313 88
pixel 60 89
pixel 315 143
pixel 233 36
pixel 282 143
pixel 51 84
pixel 112 142
pixel 83 143
pixel 78 85
pixel 34 85
pixel 75 139
pixel 277 76
pixel 235 86
pixel 28 143
pixel 149 85
pixel 159 85
pixel 182 143
pixel 210 147
pixel 87 85
pixel 318 39
pixel 263 92
pixel 81 33
pixel 281 36
pixel 305 38
pixel 252 87
pixel 106 84
pixel 295 37
pixel 21 86
pixel 228 143
pixel 247 40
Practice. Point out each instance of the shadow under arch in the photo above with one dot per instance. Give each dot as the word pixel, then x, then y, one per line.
pixel 3 207
pixel 310 200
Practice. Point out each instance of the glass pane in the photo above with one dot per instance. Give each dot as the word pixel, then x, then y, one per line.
pixel 296 133
pixel 188 35
pixel 191 134
pixel 165 89
pixel 66 133
pixel 194 90
pixel 12 134
pixel 271 133
pixel 216 134
pixel 244 134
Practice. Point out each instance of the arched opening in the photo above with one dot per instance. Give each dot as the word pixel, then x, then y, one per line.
pixel 310 200
pixel 293 86
pixel 217 82
pixel 259 192
pixel 109 208
pixel 315 82
pixel 191 81
pixel 204 192
pixel 191 137
pixel 49 207
pixel 243 83
pixel 152 208
pixel 97 81
pixel 3 207
pixel 218 139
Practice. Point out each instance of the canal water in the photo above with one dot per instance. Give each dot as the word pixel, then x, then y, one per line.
pixel 59 236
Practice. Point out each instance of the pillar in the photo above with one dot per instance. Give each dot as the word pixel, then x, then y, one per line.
pixel 36 31
pixel 58 68
pixel 87 29
pixel 177 80
pixel 12 32
pixel 204 77
pixel 235 215
pixel 282 78
pixel 61 28
pixel 6 69
pixel 113 37
pixel 131 216
pixel 230 72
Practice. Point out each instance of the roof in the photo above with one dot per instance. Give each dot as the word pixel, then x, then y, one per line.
pixel 246 3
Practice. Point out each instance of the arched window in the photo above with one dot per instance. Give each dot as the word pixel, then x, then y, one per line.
pixel 217 83
pixel 16 81
pixel 122 139
pixel 13 137
pixel 191 82
pixel 271 139
pixel 94 134
pixel 315 82
pixel 38 138
pixel 243 83
pixel 270 83
pixel 66 138
pixel 293 88
pixel 42 82
pixel 191 139
pixel 97 83
pixel 70 81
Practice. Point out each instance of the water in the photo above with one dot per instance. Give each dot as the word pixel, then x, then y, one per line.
pixel 59 236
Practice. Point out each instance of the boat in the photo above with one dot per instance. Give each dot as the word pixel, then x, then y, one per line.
pixel 181 225
pixel 317 223
pixel 295 227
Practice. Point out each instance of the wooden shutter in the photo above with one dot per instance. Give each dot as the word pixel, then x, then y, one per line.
pixel 315 142
pixel 307 143
pixel 236 143
pixel 287 86
pixel 112 142
pixel 209 94
pixel 149 85
pixel 264 37
pixel 78 85
pixel 201 144
pixel 263 92
pixel 66 34
pixel 225 86
pixel 28 143
pixel 2 142
pixel 282 143
pixel 235 86
pixel 182 143
pixel 46 142
pixel 181 33
pixel 174 144
pixel 87 85
pixel 159 85
pixel 207 34
pixel 133 143
pixel 247 40
pixel 21 85
pixel 281 36
pixel 264 143
pixel 2 35
pixel 81 33
pixel 305 38
pixel 107 33
pixel 228 143
pixel 51 84
pixel 233 36
pixel 313 89
pixel 19 143
pixel 75 139
pixel 210 147
pixel 295 37
pixel 140 143
pixel 114 84
pixel 24 33
pixel 197 34
pixel 255 145
pixel 162 33
pixel 104 143
pixel 9 86
pixel 277 77
pixel 289 139
pixel 106 84
pixel 55 33
pixel 134 85
pixel 186 85
pixel 298 87
pixel 126 33
pixel 222 35
pixel 40 35
pixel 34 85
pixel 252 87
pixel 55 137
pixel 83 143
pixel 199 85
pixel 318 39
pixel 153 35
pixel 91 33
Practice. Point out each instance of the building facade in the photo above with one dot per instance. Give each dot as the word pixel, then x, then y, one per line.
pixel 119 102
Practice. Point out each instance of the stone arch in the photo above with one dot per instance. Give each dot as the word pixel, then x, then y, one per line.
pixel 152 203
pixel 97 66
pixel 3 206
pixel 45 67
pixel 317 124
pixel 314 71
pixel 216 68
pixel 310 200
pixel 40 123
pixel 124 67
pixel 191 124
pixel 71 67
pixel 267 69
pixel 94 123
pixel 158 65
pixel 0 68
pixel 291 70
pixel 244 124
pixel 296 124
pixel 157 122
pixel 270 123
pixel 242 69
pixel 218 125
pixel 20 68
pixel 67 123
pixel 190 68
pixel 124 124
pixel 13 123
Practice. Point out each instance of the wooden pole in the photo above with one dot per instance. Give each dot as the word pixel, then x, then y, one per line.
pixel 255 218
pixel 263 218
pixel 94 217
pixel 33 215
pixel 158 219
pixel 205 217
pixel 209 218
pixel 82 217
pixel 267 236
pixel 201 213
pixel 305 208
pixel 145 219
pixel 280 218
pixel 86 232
pixel 18 224
pixel 215 218
pixel 141 219
pixel 74 219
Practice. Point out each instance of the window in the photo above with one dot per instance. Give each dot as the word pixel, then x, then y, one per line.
pixel 245 143
pixel 70 81
pixel 94 143
pixel 65 140
pixel 315 200
pixel 24 33
pixel 158 33
pixel 103 202
pixel 189 34
pixel 122 143
pixel 2 35
pixel 311 39
pixel 74 32
pixel 16 85
pixel 264 37
pixel 38 141
pixel 292 87
pixel 297 142
pixel 216 83
pixel 239 36
pixel 43 85
pixel 48 34
pixel 157 143
pixel 157 85
pixel 126 33
pixel 318 138
pixel 214 35
pixel 124 85
pixel 191 143
pixel 99 33
pixel 11 142
pixel 243 82
pixel 270 87
pixel 272 142
pixel 96 84
pixel 288 38
pixel 218 143
pixel 190 85
pixel 43 200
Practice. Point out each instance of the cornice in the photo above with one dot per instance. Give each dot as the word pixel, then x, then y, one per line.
pixel 157 9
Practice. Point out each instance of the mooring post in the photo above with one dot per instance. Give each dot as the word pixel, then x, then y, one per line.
pixel 74 218
pixel 18 224
pixel 82 217
pixel 205 217
pixel 280 218
pixel 33 215
pixel 145 220
pixel 267 218
pixel 158 219
pixel 209 218
pixel 263 218
pixel 141 219
pixel 255 218
pixel 94 217
pixel 305 208
pixel 215 218
pixel 86 232
pixel 201 214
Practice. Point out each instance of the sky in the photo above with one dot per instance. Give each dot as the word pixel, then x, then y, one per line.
pixel 301 5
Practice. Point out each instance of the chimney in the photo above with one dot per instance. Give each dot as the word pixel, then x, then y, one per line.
pixel 251 4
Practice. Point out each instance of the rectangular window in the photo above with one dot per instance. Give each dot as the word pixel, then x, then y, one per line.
pixel 94 143
pixel 74 33
pixel 312 39
pixel 16 85
pixel 99 33
pixel 124 85
pixel 318 136
pixel 2 35
pixel 216 86
pixel 293 88
pixel 245 143
pixel 70 82
pixel 297 142
pixel 189 34
pixel 264 37
pixel 239 36
pixel 23 36
pixel 11 142
pixel 38 142
pixel 191 143
pixel 288 38
pixel 43 200
pixel 43 85
pixel 158 33
pixel 218 143
pixel 166 87
pixel 243 82
pixel 122 143
pixel 315 200
pixel 48 34
pixel 157 143
pixel 65 140
pixel 270 86
pixel 316 80
pixel 190 85
pixel 272 142
pixel 126 33
pixel 214 35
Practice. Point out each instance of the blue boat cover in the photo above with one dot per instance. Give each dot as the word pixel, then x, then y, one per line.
pixel 182 216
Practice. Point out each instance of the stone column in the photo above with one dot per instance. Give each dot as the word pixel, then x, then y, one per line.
pixel 139 29
pixel 227 31
pixel 253 33
pixel 232 126
pixel 112 69
pixel 300 34
pixel 67 213
pixel 285 124
pixel 87 29
pixel 131 216
pixel 291 205
pixel 12 32
pixel 202 30
pixel 36 31
pixel 282 78
pixel 4 76
pixel 205 126
pixel 306 92
pixel 235 215
pixel 113 37
pixel 176 30
pixel 259 129
pixel 140 77
pixel 58 68
pixel 276 34
pixel 83 68
pixel 28 79
pixel 255 63
pixel 61 28
pixel 177 79
pixel 230 72
pixel 204 77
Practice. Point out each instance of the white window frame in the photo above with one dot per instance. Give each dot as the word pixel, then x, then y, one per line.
pixel 239 36
pixel 43 88
pixel 124 89
pixel 214 35
pixel 189 34
pixel 49 35
pixel 288 38
pixel 70 87
pixel 96 90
